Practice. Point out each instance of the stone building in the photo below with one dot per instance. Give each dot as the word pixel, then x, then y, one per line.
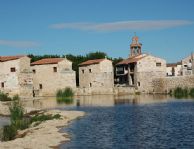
pixel 139 69
pixel 16 76
pixel 174 69
pixel 96 75
pixel 187 65
pixel 52 74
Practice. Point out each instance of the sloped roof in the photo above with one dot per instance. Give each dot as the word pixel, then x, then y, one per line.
pixel 90 62
pixel 130 60
pixel 173 64
pixel 9 58
pixel 46 61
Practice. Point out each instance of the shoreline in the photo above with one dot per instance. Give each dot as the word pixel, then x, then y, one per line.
pixel 45 135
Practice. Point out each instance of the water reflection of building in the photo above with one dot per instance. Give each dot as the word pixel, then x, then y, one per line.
pixel 141 99
pixel 97 100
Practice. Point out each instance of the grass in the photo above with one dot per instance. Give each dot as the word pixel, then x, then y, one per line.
pixel 65 95
pixel 4 97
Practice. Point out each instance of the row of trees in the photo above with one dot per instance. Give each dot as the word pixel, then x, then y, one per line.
pixel 77 59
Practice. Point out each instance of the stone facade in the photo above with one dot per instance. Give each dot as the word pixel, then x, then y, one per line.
pixel 16 76
pixel 174 69
pixel 148 68
pixel 187 65
pixel 95 75
pixel 164 85
pixel 52 74
pixel 139 69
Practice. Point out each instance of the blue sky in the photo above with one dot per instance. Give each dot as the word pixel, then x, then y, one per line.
pixel 165 27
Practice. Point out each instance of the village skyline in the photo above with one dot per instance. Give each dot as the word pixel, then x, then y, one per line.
pixel 73 27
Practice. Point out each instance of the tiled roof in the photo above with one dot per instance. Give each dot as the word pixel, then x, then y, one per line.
pixel 90 62
pixel 130 60
pixel 173 64
pixel 9 58
pixel 46 61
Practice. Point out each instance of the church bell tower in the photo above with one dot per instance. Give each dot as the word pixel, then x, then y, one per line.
pixel 135 47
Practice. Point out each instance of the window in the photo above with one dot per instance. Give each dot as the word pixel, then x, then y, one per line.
pixel 158 64
pixel 54 69
pixel 2 84
pixel 12 69
pixel 90 70
pixel 138 83
pixel 40 86
pixel 34 71
pixel 82 71
pixel 90 84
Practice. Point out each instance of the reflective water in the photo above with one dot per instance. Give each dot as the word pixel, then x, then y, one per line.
pixel 137 122
pixel 158 122
pixel 4 121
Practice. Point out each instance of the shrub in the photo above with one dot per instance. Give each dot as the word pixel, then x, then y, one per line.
pixel 9 132
pixel 65 96
pixel 178 92
pixel 185 92
pixel 4 97
pixel 16 111
pixel 191 93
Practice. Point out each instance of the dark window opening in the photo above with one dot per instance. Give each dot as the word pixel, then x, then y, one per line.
pixel 90 70
pixel 138 83
pixel 90 84
pixel 54 69
pixel 12 69
pixel 34 71
pixel 2 84
pixel 82 71
pixel 40 86
pixel 158 64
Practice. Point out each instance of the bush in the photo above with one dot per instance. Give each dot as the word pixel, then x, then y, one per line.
pixel 4 97
pixel 65 96
pixel 191 93
pixel 16 111
pixel 179 92
pixel 9 132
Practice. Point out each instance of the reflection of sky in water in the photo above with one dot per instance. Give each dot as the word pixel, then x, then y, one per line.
pixel 165 125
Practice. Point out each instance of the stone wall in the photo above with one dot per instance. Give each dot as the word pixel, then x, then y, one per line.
pixel 97 75
pixel 147 70
pixel 51 81
pixel 105 91
pixel 164 85
pixel 18 82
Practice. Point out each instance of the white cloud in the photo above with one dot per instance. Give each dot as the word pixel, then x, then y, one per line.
pixel 19 44
pixel 123 25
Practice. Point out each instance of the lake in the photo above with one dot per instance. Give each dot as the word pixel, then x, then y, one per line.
pixel 124 122
pixel 145 122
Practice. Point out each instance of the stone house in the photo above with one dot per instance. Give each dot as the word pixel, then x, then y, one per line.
pixel 96 74
pixel 16 76
pixel 52 74
pixel 139 69
pixel 174 69
pixel 187 65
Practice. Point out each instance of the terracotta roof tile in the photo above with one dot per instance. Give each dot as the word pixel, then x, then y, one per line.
pixel 46 61
pixel 130 60
pixel 90 62
pixel 9 58
pixel 173 64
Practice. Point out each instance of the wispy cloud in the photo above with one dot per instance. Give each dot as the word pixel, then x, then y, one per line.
pixel 19 44
pixel 123 25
